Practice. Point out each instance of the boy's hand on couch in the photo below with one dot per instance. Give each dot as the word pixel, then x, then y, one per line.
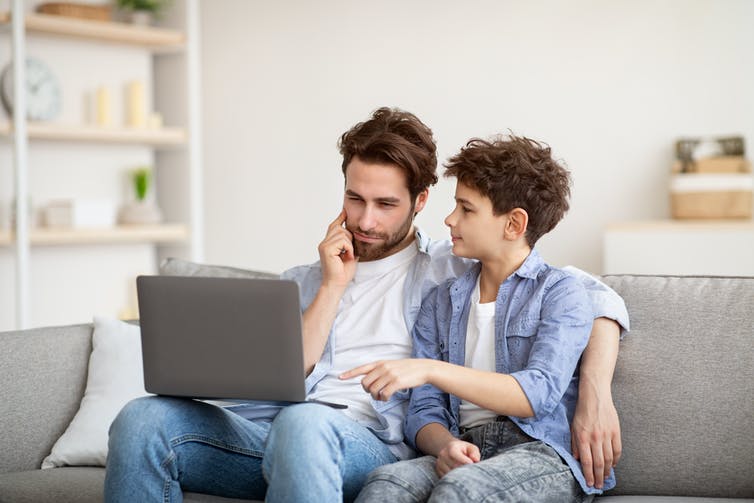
pixel 595 438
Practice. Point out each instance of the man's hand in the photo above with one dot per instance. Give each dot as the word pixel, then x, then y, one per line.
pixel 336 254
pixel 595 437
pixel 456 453
pixel 385 377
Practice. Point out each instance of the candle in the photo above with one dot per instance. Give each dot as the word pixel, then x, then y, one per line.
pixel 103 107
pixel 136 106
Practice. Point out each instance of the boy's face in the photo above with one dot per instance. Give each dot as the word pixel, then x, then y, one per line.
pixel 476 232
pixel 379 209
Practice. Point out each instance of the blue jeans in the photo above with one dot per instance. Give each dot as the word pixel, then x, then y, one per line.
pixel 514 467
pixel 161 446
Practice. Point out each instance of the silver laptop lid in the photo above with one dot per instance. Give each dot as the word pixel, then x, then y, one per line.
pixel 222 338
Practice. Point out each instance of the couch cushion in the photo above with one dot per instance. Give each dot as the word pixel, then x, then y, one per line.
pixel 70 485
pixel 179 267
pixel 44 373
pixel 667 499
pixel 684 386
pixel 56 485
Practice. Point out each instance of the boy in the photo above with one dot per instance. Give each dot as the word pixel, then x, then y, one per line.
pixel 496 350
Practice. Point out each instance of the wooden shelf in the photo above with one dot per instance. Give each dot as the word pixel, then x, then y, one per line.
pixel 157 39
pixel 165 233
pixel 163 137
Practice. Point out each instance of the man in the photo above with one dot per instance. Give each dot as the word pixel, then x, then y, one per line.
pixel 360 303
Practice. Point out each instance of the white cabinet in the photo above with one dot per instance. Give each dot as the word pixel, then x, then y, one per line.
pixel 720 247
pixel 53 275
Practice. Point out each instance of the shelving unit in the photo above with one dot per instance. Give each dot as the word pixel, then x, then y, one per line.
pixel 155 39
pixel 167 233
pixel 163 137
pixel 173 70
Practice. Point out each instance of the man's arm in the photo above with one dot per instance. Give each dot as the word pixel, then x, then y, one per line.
pixel 338 264
pixel 595 429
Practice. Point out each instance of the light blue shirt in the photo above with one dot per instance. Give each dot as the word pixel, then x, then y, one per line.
pixel 543 318
pixel 433 265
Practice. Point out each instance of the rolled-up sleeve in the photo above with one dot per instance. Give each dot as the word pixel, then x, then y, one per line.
pixel 562 334
pixel 428 404
pixel 606 303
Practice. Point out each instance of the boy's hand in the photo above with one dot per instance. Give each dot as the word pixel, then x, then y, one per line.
pixel 385 377
pixel 456 453
pixel 595 439
pixel 336 254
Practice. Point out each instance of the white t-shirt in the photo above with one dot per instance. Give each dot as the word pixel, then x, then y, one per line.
pixel 480 354
pixel 369 326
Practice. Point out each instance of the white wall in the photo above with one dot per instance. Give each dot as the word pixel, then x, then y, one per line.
pixel 609 84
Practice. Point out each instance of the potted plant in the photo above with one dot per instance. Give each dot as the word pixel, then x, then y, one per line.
pixel 142 12
pixel 142 211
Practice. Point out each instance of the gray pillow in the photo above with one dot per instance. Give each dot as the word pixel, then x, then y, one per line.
pixel 178 267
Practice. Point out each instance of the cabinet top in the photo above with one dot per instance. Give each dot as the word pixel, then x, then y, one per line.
pixel 152 38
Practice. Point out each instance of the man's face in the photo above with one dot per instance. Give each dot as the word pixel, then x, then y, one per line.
pixel 379 209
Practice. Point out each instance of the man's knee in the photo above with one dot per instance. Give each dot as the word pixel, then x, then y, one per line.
pixel 304 421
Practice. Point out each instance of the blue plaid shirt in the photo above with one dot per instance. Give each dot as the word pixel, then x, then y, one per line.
pixel 543 317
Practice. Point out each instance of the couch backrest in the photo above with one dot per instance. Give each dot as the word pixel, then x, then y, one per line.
pixel 684 386
pixel 43 374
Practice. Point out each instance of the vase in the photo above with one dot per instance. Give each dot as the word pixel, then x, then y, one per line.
pixel 140 213
pixel 141 18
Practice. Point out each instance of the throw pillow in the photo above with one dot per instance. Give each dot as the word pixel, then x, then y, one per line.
pixel 115 377
pixel 178 267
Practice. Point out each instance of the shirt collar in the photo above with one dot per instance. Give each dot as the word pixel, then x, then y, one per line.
pixel 531 266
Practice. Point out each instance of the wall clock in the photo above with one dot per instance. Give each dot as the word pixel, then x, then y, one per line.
pixel 43 98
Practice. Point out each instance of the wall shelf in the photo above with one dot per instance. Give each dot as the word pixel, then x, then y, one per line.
pixel 156 39
pixel 163 137
pixel 164 233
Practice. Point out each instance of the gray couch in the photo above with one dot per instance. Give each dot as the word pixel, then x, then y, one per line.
pixel 684 388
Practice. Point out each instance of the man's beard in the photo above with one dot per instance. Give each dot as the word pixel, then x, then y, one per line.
pixel 389 245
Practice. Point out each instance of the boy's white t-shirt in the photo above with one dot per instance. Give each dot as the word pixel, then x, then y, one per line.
pixel 369 326
pixel 480 354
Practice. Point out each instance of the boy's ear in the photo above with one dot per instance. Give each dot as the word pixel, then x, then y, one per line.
pixel 518 220
pixel 421 201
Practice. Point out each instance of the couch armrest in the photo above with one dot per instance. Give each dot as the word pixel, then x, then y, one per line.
pixel 43 380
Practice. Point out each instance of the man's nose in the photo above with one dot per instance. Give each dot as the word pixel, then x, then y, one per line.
pixel 367 221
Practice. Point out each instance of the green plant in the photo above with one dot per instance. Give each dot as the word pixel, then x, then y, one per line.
pixel 141 179
pixel 154 6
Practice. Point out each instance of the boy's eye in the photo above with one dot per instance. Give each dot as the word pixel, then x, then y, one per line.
pixel 465 209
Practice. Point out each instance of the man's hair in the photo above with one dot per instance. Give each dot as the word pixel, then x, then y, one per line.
pixel 515 172
pixel 394 136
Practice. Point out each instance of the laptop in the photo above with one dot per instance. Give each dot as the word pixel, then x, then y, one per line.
pixel 221 338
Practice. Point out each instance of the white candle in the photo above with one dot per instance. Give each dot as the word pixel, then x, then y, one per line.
pixel 137 110
pixel 103 107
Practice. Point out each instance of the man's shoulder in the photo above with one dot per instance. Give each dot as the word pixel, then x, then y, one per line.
pixel 303 273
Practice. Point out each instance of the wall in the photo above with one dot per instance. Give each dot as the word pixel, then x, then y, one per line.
pixel 610 85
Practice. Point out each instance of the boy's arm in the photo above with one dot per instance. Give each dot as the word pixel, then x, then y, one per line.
pixel 595 429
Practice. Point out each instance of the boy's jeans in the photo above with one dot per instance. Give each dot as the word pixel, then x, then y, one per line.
pixel 161 446
pixel 514 467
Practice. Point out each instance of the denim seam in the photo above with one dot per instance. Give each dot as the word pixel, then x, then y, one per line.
pixel 502 490
pixel 524 482
pixel 169 478
pixel 350 436
pixel 174 442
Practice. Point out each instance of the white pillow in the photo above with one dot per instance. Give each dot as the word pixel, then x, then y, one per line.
pixel 115 378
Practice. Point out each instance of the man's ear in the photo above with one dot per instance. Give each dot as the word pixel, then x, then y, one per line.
pixel 518 220
pixel 421 201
